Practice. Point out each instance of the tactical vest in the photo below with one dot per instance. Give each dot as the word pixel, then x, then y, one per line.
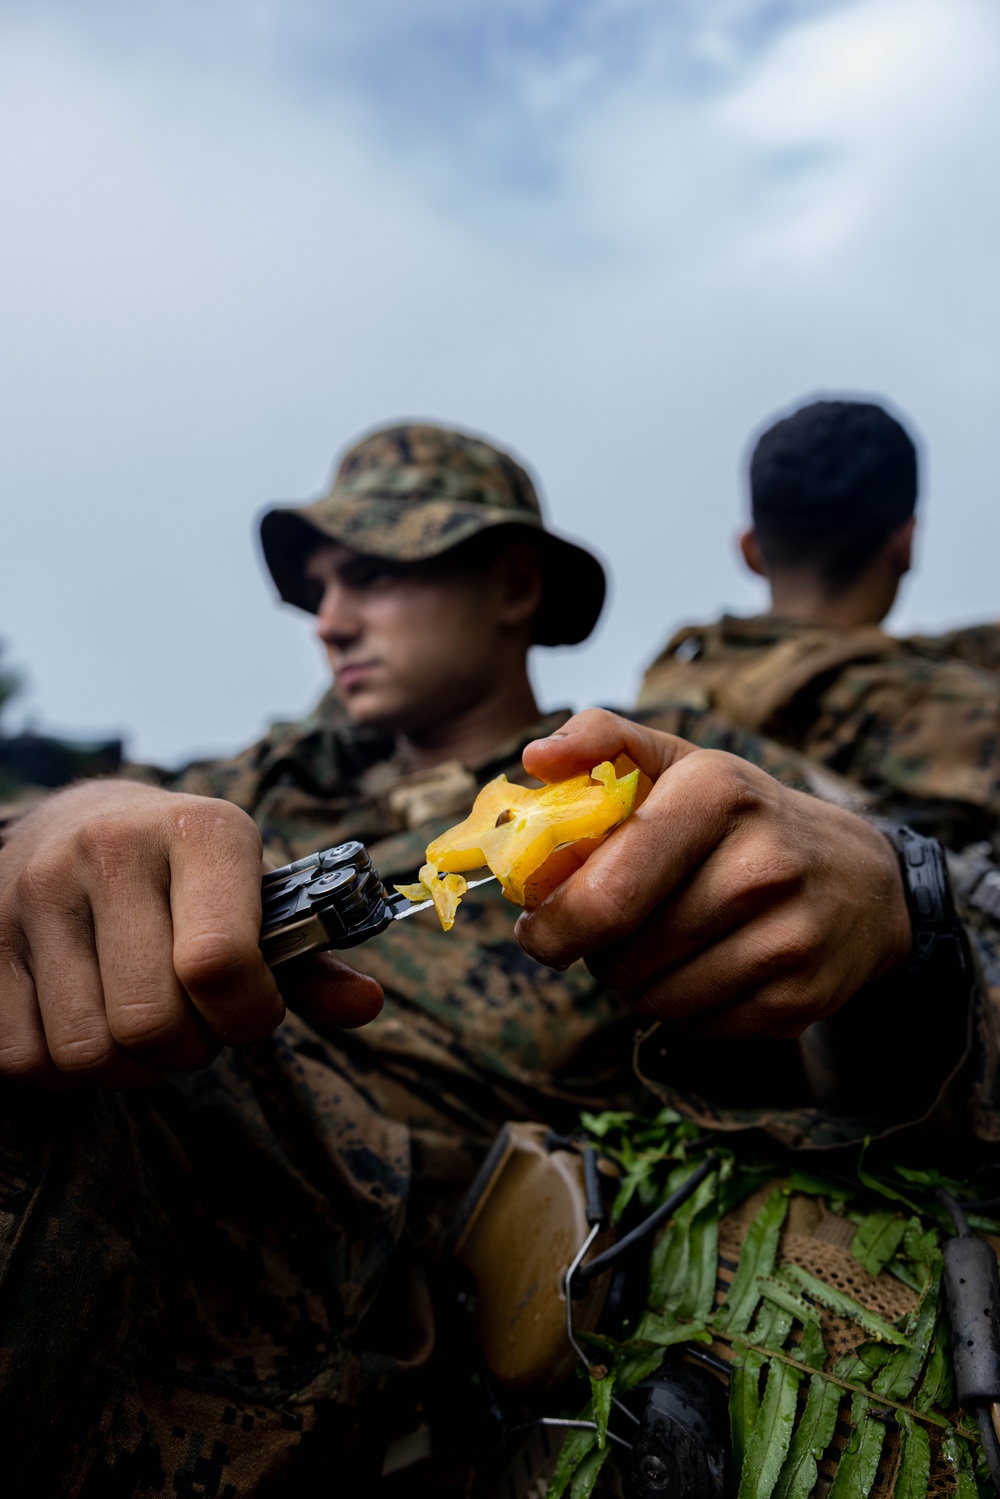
pixel 756 693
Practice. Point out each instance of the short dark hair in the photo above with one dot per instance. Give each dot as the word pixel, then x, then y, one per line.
pixel 828 486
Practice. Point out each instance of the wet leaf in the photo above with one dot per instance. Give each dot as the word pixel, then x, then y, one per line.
pixel 744 1406
pixel 902 1370
pixel 768 1443
pixel 757 1257
pixel 955 1451
pixel 937 1384
pixel 601 1390
pixel 813 1436
pixel 859 1459
pixel 811 1350
pixel 635 1367
pixel 663 1329
pixel 571 1454
pixel 586 1474
pixel 914 1459
pixel 877 1238
pixel 846 1306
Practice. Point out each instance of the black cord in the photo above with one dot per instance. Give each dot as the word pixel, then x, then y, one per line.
pixel 586 1273
pixel 955 1212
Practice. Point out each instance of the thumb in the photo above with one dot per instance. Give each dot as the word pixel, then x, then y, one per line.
pixel 323 989
pixel 595 735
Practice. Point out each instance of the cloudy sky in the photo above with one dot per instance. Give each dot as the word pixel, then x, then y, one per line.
pixel 616 235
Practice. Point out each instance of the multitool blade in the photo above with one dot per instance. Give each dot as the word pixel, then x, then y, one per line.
pixel 425 905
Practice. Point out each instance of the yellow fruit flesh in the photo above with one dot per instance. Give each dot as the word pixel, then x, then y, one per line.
pixel 445 893
pixel 523 835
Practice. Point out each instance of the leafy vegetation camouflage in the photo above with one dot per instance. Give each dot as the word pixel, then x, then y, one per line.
pixel 823 1295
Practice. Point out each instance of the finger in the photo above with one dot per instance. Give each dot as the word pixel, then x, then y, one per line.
pixel 148 1013
pixel 215 865
pixel 695 804
pixel 768 978
pixel 24 1054
pixel 326 990
pixel 595 735
pixel 71 1005
pixel 742 879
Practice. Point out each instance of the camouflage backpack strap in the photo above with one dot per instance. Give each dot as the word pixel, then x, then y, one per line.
pixel 755 694
pixel 688 670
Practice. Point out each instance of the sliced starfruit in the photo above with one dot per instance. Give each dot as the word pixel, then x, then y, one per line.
pixel 445 892
pixel 533 838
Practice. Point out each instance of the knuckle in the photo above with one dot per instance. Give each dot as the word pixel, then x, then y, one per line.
pixel 23 1058
pixel 211 960
pixel 41 883
pixel 148 1023
pixel 80 1056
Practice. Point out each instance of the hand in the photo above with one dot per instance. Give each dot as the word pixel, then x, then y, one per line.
pixel 726 898
pixel 129 923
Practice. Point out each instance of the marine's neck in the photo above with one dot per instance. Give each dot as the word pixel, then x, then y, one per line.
pixel 796 596
pixel 472 733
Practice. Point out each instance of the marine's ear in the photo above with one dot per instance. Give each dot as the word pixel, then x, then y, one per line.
pixel 752 554
pixel 900 546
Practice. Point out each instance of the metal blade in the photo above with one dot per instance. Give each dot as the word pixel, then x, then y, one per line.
pixel 425 905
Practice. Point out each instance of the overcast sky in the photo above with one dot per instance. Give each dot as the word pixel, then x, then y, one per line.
pixel 615 235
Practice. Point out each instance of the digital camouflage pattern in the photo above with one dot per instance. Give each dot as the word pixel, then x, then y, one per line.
pixel 922 733
pixel 237 1256
pixel 474 1032
pixel 205 1283
pixel 979 645
pixel 412 492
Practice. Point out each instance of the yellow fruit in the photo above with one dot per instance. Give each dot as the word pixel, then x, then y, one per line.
pixel 445 893
pixel 534 838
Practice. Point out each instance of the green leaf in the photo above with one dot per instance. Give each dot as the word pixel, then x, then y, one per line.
pixel 635 1367
pixel 885 1189
pixel 955 1451
pixel 902 1370
pixel 914 1459
pixel 586 1474
pixel 676 1273
pixel 859 1459
pixel 877 1239
pixel 614 1119
pixel 768 1443
pixel 757 1257
pixel 936 1386
pixel 813 1436
pixel 571 1454
pixel 771 1327
pixel 744 1406
pixel 698 1295
pixel 664 1329
pixel 811 1350
pixel 846 1306
pixel 600 1400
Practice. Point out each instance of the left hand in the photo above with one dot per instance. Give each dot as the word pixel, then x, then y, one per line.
pixel 726 898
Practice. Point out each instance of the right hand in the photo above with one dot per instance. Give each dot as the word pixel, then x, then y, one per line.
pixel 129 927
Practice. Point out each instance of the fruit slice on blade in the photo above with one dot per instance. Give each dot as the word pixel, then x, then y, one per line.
pixel 445 893
pixel 533 838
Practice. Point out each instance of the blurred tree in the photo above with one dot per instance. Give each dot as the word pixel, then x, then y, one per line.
pixel 10 682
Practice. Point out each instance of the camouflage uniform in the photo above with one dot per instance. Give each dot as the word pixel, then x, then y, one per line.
pixel 979 645
pixel 922 734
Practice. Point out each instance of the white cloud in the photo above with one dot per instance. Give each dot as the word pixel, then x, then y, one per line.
pixel 219 275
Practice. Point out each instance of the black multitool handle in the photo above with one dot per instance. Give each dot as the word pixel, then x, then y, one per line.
pixel 334 898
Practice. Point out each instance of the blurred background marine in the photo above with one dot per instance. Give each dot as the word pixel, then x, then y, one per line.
pixel 833 491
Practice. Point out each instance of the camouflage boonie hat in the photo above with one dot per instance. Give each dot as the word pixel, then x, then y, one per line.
pixel 415 491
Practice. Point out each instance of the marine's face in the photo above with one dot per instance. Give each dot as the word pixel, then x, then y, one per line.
pixel 408 643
